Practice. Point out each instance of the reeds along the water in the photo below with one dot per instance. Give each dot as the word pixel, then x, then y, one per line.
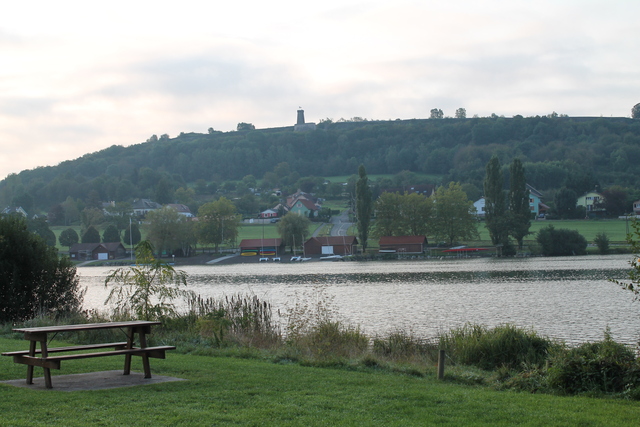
pixel 239 318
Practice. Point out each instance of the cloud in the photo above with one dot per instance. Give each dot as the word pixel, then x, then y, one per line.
pixel 71 85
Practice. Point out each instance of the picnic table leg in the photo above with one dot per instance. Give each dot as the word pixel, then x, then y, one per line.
pixel 47 371
pixel 127 357
pixel 32 353
pixel 145 356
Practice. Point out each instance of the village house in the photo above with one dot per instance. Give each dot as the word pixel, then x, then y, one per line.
pixel 537 208
pixel 303 204
pixel 141 207
pixel 593 202
pixel 14 210
pixel 269 213
pixel 181 209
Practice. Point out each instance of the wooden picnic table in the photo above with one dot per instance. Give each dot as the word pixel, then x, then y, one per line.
pixel 45 334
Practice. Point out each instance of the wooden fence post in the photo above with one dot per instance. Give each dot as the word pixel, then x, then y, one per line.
pixel 441 355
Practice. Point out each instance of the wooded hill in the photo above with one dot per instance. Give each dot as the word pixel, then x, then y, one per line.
pixel 604 151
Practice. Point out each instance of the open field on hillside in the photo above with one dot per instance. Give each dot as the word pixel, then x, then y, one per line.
pixel 223 390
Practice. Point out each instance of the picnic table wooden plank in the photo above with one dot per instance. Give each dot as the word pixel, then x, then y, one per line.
pixel 70 348
pixel 88 326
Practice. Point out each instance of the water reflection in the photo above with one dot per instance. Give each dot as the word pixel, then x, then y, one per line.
pixel 568 298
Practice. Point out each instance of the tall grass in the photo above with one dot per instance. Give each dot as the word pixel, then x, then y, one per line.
pixel 240 319
pixel 503 346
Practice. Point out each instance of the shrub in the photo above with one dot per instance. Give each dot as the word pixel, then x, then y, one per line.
pixel 561 242
pixel 603 366
pixel 502 346
pixel 34 281
pixel 602 242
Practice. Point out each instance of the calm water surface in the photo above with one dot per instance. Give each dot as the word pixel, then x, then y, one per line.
pixel 569 298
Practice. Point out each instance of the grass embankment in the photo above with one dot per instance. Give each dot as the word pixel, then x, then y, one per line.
pixel 225 390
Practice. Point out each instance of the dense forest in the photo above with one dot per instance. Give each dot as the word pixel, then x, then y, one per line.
pixel 554 150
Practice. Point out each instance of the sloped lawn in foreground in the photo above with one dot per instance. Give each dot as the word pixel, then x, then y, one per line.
pixel 225 391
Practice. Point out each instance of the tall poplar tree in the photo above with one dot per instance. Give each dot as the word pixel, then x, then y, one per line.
pixel 519 210
pixel 495 205
pixel 364 206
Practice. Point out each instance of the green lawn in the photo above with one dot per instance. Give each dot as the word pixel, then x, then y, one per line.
pixel 615 229
pixel 225 391
pixel 255 231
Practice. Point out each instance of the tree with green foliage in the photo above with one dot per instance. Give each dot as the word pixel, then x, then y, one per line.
pixel 111 234
pixel 132 235
pixel 293 229
pixel 92 217
pixel 364 206
pixel 565 203
pixel 461 113
pixel 615 201
pixel 561 242
pixel 416 214
pixel 163 192
pixel 633 238
pixel 91 235
pixel 218 222
pixel 496 217
pixel 146 291
pixel 163 229
pixel 68 237
pixel 402 215
pixel 454 216
pixel 388 215
pixel 635 111
pixel 245 126
pixel 34 281
pixel 602 242
pixel 40 227
pixel 436 113
pixel 519 209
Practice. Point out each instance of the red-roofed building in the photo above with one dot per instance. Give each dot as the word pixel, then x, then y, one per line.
pixel 305 207
pixel 403 244
pixel 331 245
pixel 262 247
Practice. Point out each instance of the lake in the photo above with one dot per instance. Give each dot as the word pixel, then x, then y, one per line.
pixel 569 298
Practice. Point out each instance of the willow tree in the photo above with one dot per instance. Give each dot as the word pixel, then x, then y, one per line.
pixel 147 290
pixel 364 206
pixel 519 210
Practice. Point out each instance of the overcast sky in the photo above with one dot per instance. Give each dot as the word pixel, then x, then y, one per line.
pixel 79 76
